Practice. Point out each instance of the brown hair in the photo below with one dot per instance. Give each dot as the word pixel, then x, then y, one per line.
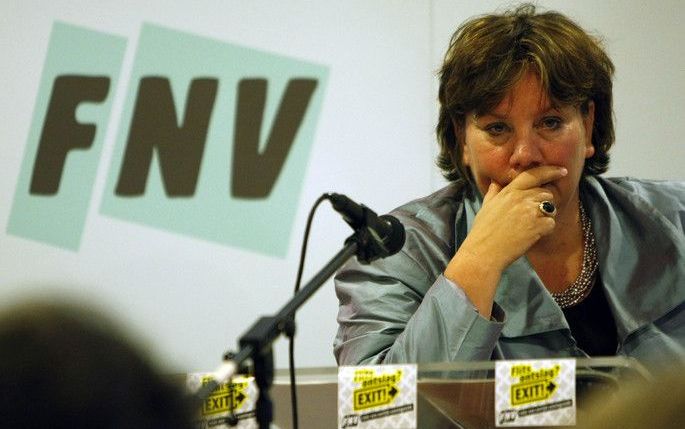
pixel 488 54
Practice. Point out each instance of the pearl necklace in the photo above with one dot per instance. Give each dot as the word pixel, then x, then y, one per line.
pixel 581 287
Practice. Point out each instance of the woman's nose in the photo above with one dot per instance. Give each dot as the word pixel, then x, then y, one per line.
pixel 526 152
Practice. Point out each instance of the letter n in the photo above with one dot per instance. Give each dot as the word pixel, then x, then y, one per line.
pixel 179 148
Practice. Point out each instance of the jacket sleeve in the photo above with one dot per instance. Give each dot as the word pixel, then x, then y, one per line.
pixel 399 310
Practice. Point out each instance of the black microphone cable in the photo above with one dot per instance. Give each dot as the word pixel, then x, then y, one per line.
pixel 387 238
pixel 291 330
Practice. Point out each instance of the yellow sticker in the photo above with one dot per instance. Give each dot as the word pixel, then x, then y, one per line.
pixel 376 389
pixel 536 392
pixel 527 393
pixel 377 396
pixel 534 385
pixel 226 397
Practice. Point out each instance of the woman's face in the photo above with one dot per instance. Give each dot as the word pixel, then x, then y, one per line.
pixel 524 131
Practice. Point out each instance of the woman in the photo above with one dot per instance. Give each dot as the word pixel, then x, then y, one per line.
pixel 528 253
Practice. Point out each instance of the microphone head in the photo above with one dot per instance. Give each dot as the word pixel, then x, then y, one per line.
pixel 396 235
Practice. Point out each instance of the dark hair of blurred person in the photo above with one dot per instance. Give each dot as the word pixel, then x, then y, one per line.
pixel 65 366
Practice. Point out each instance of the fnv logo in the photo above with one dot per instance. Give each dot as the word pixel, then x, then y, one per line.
pixel 211 140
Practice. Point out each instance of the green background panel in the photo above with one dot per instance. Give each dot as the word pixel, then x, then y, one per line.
pixel 261 225
pixel 59 219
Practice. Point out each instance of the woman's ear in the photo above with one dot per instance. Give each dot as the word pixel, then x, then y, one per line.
pixel 588 124
pixel 461 143
pixel 464 155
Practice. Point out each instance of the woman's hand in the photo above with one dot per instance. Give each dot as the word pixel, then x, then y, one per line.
pixel 506 226
pixel 510 221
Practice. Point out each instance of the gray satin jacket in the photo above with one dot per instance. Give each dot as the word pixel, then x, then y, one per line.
pixel 402 309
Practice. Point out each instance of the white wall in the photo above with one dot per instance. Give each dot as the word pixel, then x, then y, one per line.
pixel 189 299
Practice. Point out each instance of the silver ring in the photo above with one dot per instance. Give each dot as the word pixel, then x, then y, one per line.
pixel 548 208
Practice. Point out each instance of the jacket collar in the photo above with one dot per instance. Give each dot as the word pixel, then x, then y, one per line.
pixel 641 252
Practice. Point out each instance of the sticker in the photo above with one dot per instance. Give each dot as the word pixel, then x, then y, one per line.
pixel 381 396
pixel 229 401
pixel 535 392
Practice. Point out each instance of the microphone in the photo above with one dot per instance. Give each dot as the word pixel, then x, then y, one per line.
pixel 381 235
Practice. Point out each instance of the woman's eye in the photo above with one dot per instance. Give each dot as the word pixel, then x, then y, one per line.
pixel 551 123
pixel 496 129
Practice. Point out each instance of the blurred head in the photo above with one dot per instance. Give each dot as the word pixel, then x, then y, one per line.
pixel 489 55
pixel 63 366
pixel 639 403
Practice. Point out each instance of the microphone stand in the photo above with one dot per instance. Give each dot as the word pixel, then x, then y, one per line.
pixel 255 344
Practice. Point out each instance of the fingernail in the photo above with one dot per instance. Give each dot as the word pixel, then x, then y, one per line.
pixel 563 171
